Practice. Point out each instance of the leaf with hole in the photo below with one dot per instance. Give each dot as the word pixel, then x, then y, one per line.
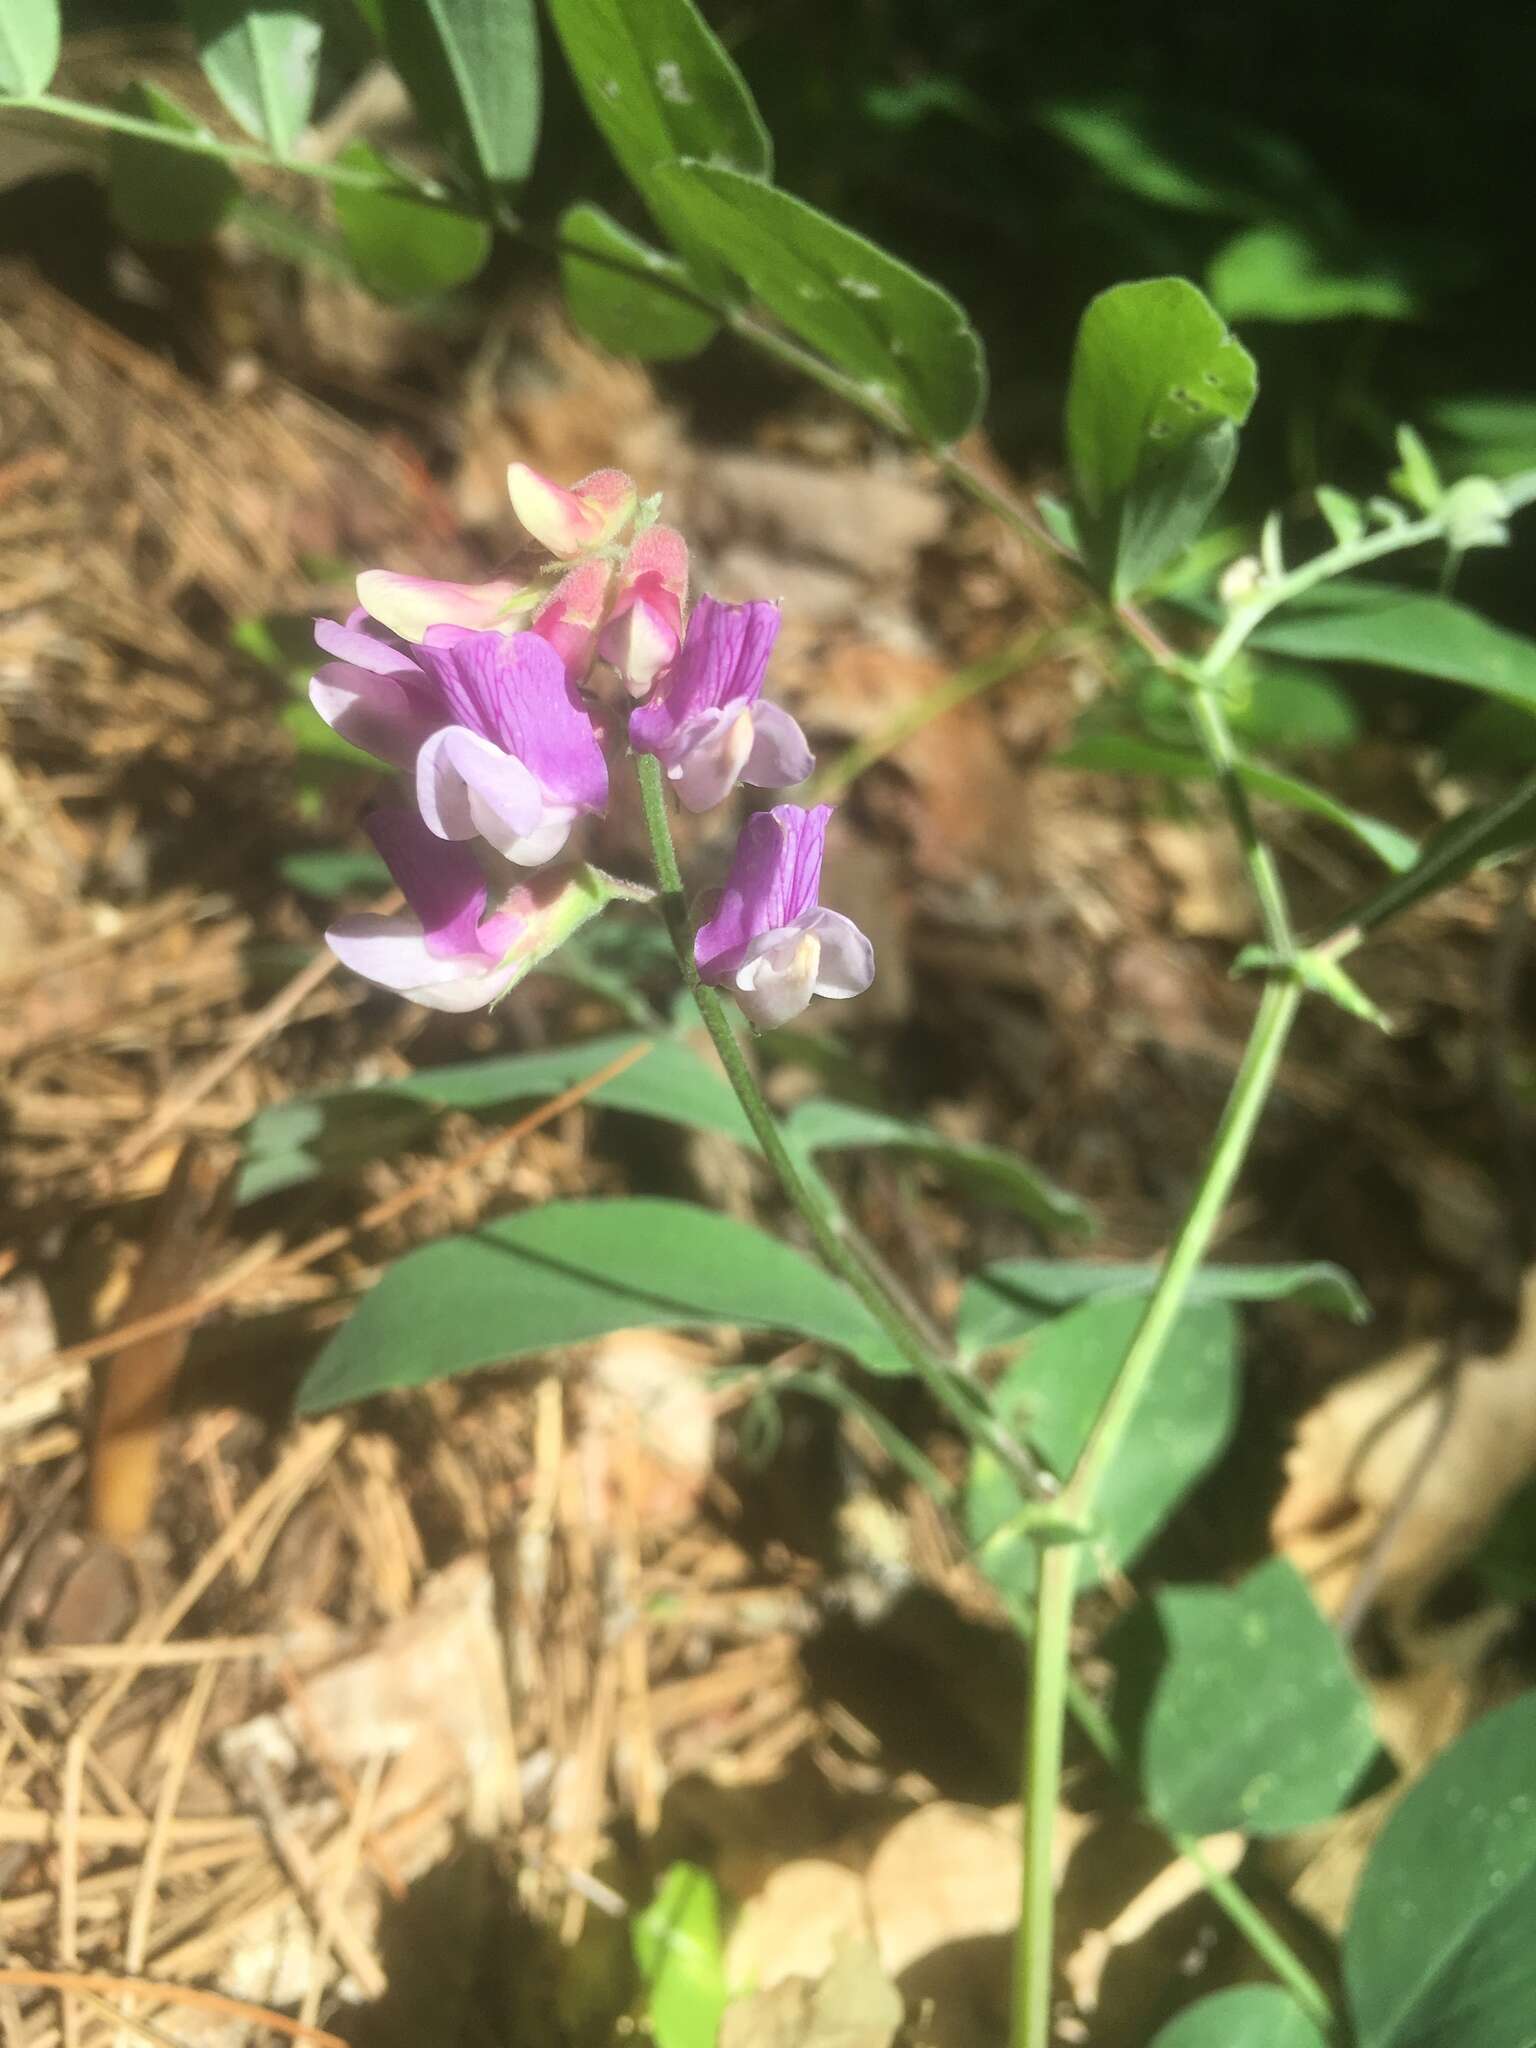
pixel 1438 1951
pixel 617 291
pixel 301 1140
pixel 659 86
pixel 30 33
pixel 679 1951
pixel 1240 1706
pixel 1004 1302
pixel 402 247
pixel 263 61
pixel 1051 1397
pixel 567 1272
pixel 1414 630
pixel 472 69
pixel 986 1171
pixel 1247 2016
pixel 1157 393
pixel 161 194
pixel 901 338
pixel 1118 754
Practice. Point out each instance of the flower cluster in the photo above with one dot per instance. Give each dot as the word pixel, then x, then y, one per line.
pixel 483 696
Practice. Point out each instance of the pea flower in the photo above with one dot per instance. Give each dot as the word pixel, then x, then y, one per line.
pixel 495 734
pixel 645 624
pixel 705 722
pixel 446 949
pixel 769 940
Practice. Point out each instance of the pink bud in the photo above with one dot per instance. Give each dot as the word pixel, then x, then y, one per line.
pixel 571 615
pixel 569 523
pixel 645 627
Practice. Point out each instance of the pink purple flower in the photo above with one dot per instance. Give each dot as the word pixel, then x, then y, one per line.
pixel 769 940
pixel 705 722
pixel 447 949
pixel 496 735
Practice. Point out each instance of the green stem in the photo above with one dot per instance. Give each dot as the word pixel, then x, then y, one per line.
pixel 1336 561
pixel 1050 1653
pixel 948 1387
pixel 1250 1090
pixel 1057 1575
pixel 196 144
pixel 1210 717
pixel 1265 1940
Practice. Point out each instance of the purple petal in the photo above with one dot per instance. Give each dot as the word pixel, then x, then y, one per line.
pixel 724 657
pixel 512 690
pixel 441 883
pixel 467 788
pixel 369 710
pixel 779 757
pixel 774 879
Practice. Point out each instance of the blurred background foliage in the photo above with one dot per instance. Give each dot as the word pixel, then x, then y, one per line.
pixel 1320 171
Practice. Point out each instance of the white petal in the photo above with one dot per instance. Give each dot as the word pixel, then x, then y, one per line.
pixel 711 768
pixel 780 756
pixel 847 957
pixel 391 951
pixel 778 977
pixel 462 780
pixel 368 710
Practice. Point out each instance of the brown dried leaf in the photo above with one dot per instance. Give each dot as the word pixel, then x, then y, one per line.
pixel 1408 1465
pixel 854 2006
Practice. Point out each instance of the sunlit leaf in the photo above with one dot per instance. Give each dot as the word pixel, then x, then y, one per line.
pixel 1240 1706
pixel 402 247
pixel 680 1954
pixel 1051 1397
pixel 472 68
pixel 1438 1949
pixel 298 1141
pixel 659 85
pixel 1247 2016
pixel 1158 390
pixel 1004 1302
pixel 567 1272
pixel 902 338
pixel 1280 273
pixel 616 290
pixel 823 1125
pixel 1122 755
pixel 29 46
pixel 164 194
pixel 1414 630
pixel 263 61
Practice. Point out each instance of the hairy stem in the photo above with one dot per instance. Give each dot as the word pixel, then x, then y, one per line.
pixel 949 1388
